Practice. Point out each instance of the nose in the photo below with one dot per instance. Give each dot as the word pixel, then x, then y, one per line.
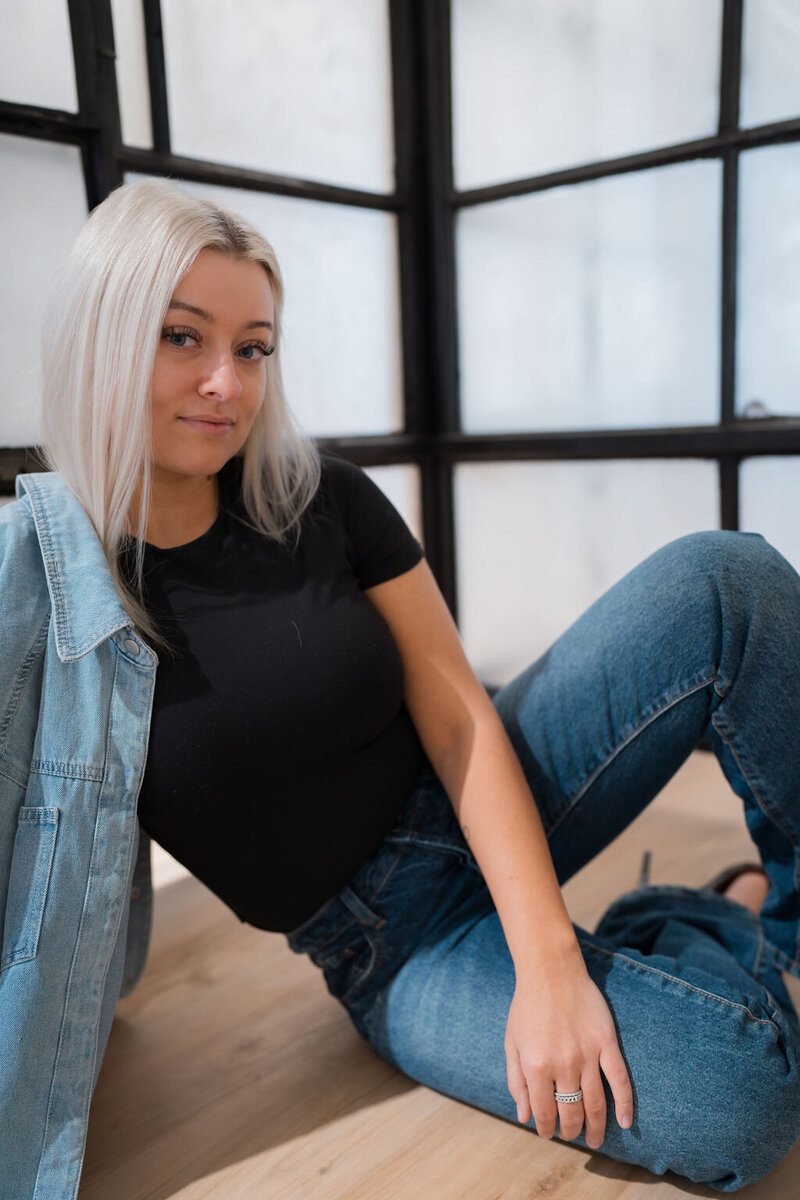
pixel 222 381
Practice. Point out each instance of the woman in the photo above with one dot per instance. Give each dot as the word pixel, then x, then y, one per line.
pixel 400 828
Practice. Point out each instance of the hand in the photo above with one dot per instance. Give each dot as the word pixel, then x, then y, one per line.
pixel 560 1034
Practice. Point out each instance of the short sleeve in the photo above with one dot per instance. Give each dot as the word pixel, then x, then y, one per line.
pixel 381 544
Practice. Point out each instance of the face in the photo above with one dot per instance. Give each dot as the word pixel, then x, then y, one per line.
pixel 209 374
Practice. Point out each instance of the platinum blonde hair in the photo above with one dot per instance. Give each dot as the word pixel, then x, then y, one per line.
pixel 102 329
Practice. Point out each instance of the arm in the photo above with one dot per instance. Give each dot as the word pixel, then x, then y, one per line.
pixel 559 1029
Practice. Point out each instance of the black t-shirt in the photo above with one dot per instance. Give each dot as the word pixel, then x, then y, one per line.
pixel 280 747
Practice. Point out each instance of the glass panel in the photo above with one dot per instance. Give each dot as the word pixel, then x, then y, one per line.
pixel 131 66
pixel 770 78
pixel 539 85
pixel 42 208
pixel 402 485
pixel 769 501
pixel 768 348
pixel 593 306
pixel 36 65
pixel 537 543
pixel 341 348
pixel 299 89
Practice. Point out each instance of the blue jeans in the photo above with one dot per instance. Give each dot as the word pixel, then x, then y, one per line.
pixel 702 639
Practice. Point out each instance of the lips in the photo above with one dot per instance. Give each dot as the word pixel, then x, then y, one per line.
pixel 216 426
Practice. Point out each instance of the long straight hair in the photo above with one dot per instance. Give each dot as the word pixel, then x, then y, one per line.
pixel 101 331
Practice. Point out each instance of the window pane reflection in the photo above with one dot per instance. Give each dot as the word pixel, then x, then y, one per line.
pixel 770 52
pixel 131 67
pixel 593 306
pixel 768 347
pixel 42 208
pixel 539 85
pixel 300 89
pixel 537 543
pixel 769 501
pixel 36 63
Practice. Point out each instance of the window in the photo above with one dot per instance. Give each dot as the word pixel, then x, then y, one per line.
pixel 541 259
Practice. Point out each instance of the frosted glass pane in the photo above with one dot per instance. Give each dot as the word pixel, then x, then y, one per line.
pixel 539 85
pixel 131 66
pixel 537 543
pixel 402 485
pixel 768 347
pixel 42 208
pixel 771 47
pixel 36 64
pixel 769 501
pixel 299 89
pixel 593 306
pixel 341 347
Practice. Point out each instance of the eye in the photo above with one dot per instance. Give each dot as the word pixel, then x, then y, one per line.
pixel 179 337
pixel 254 351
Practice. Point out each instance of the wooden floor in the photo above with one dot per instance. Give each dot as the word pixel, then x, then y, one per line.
pixel 231 1074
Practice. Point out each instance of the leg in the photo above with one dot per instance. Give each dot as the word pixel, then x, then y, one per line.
pixel 713 1059
pixel 703 638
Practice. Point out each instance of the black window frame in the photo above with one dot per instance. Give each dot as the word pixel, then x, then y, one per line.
pixel 426 203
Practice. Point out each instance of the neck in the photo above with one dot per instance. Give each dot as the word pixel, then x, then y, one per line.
pixel 181 509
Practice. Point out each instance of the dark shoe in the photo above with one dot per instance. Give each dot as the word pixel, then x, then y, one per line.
pixel 718 884
pixel 725 878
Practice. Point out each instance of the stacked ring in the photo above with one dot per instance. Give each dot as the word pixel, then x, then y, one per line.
pixel 568 1097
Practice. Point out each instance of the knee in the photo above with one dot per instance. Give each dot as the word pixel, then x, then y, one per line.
pixel 746 1120
pixel 744 570
pixel 729 553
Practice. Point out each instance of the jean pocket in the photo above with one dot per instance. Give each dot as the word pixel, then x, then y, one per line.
pixel 29 880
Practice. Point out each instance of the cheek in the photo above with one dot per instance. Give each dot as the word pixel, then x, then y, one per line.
pixel 254 398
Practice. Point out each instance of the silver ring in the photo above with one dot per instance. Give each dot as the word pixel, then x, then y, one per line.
pixel 568 1097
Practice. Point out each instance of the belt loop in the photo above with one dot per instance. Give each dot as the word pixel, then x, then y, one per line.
pixel 360 910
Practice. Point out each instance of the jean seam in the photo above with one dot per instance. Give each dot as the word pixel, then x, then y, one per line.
pixel 689 987
pixel 727 739
pixel 442 845
pixel 759 954
pixel 626 741
pixel 377 956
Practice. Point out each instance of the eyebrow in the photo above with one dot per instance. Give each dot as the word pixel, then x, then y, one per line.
pixel 201 312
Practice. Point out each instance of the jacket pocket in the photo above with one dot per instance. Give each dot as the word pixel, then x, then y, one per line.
pixel 31 864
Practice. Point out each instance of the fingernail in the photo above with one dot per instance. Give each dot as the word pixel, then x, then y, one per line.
pixel 625 1121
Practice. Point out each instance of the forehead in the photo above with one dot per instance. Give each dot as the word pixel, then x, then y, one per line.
pixel 217 280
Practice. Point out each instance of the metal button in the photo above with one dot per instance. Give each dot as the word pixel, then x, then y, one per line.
pixel 131 646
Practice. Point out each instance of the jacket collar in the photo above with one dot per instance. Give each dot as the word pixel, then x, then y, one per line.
pixel 86 606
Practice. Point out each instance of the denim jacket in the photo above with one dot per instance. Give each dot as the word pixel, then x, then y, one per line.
pixel 76 693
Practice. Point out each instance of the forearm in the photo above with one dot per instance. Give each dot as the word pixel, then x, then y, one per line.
pixel 500 821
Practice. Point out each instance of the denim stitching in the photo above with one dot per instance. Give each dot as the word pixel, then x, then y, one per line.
pixel 768 814
pixel 340 929
pixel 31 658
pixel 759 954
pixel 377 957
pixel 57 1068
pixel 67 770
pixel 625 742
pixel 674 979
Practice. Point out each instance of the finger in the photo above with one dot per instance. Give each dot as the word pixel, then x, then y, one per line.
pixel 594 1107
pixel 543 1103
pixel 517 1085
pixel 570 1116
pixel 615 1071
